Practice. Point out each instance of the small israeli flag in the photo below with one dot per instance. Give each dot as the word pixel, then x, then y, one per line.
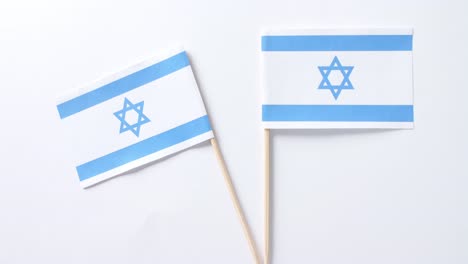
pixel 133 117
pixel 332 78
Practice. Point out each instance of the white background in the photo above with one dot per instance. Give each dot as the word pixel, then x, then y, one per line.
pixel 339 196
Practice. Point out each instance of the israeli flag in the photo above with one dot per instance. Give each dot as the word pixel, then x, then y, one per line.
pixel 333 78
pixel 133 117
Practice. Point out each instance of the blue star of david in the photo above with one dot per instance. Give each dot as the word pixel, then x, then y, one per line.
pixel 142 119
pixel 345 83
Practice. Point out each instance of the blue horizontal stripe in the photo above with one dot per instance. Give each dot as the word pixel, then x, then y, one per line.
pixel 338 113
pixel 144 148
pixel 338 43
pixel 123 85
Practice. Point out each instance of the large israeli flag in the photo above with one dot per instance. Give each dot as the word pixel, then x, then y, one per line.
pixel 333 78
pixel 133 117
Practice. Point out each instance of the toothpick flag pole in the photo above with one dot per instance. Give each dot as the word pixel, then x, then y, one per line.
pixel 267 194
pixel 235 200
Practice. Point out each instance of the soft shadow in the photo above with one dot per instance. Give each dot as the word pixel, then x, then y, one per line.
pixel 308 133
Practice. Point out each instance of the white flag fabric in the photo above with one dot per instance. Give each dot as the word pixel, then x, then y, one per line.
pixel 337 78
pixel 133 117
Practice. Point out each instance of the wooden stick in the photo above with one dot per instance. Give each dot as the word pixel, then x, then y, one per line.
pixel 267 194
pixel 235 200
